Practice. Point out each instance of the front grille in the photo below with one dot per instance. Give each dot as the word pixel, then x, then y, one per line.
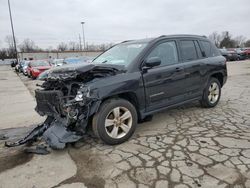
pixel 48 102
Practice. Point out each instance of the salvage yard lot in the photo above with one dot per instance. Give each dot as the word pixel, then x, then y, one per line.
pixel 185 147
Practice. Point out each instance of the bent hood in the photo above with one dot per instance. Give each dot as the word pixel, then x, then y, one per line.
pixel 74 71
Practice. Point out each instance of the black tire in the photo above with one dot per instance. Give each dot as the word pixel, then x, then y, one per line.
pixel 206 102
pixel 106 109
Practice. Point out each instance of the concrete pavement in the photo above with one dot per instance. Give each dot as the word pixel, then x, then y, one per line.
pixel 17 110
pixel 16 104
pixel 184 147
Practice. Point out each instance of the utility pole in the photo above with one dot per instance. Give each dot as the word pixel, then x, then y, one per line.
pixel 80 42
pixel 83 36
pixel 13 34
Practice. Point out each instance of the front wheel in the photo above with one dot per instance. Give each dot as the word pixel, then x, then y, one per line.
pixel 115 121
pixel 211 94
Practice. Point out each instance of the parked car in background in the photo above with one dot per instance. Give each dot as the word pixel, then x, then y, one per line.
pixel 242 54
pixel 13 63
pixel 230 55
pixel 37 67
pixel 24 67
pixel 247 51
pixel 57 62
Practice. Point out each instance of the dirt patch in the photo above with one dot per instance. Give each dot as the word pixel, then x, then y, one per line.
pixel 92 167
pixel 11 157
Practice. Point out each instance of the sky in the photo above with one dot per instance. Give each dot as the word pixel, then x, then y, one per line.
pixel 49 22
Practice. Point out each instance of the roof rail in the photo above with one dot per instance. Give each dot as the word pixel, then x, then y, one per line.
pixel 162 36
pixel 126 41
pixel 204 36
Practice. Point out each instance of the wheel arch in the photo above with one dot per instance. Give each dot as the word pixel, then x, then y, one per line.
pixel 129 96
pixel 219 76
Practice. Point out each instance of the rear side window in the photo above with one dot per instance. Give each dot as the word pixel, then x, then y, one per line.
pixel 209 49
pixel 188 50
pixel 198 49
pixel 167 52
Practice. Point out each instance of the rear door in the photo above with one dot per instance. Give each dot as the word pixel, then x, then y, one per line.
pixel 164 84
pixel 194 63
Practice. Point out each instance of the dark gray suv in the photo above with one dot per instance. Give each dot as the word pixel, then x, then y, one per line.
pixel 124 85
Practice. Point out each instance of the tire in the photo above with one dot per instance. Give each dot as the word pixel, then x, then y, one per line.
pixel 209 99
pixel 116 132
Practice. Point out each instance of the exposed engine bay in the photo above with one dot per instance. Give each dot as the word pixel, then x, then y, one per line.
pixel 67 100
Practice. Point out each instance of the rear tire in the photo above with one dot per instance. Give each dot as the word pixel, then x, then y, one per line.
pixel 115 121
pixel 211 94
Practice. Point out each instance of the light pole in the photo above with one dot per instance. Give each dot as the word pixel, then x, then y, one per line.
pixel 13 34
pixel 83 37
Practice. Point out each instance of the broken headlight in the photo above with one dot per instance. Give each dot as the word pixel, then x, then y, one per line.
pixel 82 93
pixel 79 96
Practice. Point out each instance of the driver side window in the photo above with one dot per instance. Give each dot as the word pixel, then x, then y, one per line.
pixel 167 52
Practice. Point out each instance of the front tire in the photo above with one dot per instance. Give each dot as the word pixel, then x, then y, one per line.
pixel 211 94
pixel 115 121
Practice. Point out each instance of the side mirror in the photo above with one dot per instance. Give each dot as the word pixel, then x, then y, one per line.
pixel 152 62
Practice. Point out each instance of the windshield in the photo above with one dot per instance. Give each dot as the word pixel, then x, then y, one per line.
pixel 121 54
pixel 39 63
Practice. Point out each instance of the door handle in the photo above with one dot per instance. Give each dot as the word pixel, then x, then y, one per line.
pixel 178 69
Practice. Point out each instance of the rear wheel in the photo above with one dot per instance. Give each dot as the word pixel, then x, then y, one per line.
pixel 115 121
pixel 211 94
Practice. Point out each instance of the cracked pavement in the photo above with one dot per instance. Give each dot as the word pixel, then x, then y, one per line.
pixel 184 147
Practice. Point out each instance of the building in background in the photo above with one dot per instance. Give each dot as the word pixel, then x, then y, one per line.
pixel 56 54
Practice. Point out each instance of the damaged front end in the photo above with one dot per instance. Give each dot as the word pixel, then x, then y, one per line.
pixel 67 100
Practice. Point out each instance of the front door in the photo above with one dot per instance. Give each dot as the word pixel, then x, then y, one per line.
pixel 164 84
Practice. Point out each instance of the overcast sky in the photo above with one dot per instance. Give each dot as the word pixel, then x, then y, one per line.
pixel 49 22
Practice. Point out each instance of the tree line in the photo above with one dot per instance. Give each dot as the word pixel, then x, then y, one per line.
pixel 226 40
pixel 28 45
pixel 221 40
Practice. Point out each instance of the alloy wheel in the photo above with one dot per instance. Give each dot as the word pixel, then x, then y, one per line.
pixel 118 122
pixel 213 92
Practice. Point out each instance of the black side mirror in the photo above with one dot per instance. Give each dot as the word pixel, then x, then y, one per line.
pixel 152 62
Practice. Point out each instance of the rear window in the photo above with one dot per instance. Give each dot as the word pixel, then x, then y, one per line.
pixel 188 50
pixel 209 49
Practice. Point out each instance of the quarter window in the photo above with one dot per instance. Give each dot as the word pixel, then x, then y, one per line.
pixel 188 50
pixel 167 52
pixel 207 48
pixel 210 50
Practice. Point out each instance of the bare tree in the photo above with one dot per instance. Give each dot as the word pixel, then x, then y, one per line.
pixel 227 40
pixel 99 47
pixel 28 45
pixel 11 47
pixel 3 53
pixel 62 46
pixel 74 46
pixel 216 38
pixel 239 41
pixel 247 43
